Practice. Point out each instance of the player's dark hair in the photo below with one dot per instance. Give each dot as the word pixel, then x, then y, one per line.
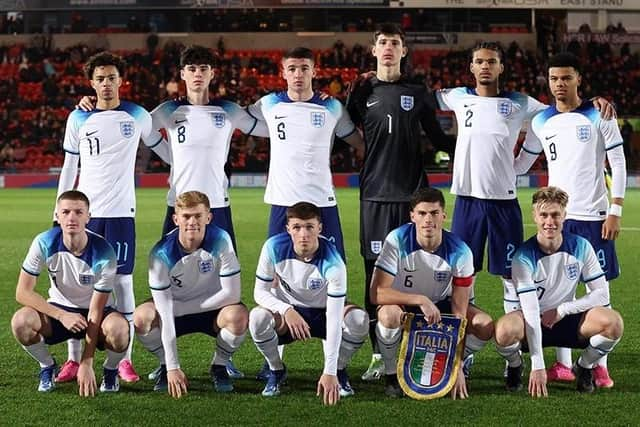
pixel 104 59
pixel 191 199
pixel 197 55
pixel 299 53
pixel 490 46
pixel 428 195
pixel 74 195
pixel 389 29
pixel 303 210
pixel 565 59
pixel 550 195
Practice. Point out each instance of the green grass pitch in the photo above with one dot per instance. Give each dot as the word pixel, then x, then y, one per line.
pixel 27 212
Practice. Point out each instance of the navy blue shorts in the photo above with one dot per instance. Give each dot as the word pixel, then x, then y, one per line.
pixel 221 218
pixel 197 322
pixel 316 318
pixel 329 216
pixel 499 221
pixel 444 306
pixel 121 234
pixel 59 333
pixel 563 334
pixel 605 249
pixel 377 219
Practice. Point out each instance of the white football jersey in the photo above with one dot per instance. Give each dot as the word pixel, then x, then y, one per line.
pixel 192 277
pixel 555 277
pixel 107 142
pixel 299 283
pixel 417 271
pixel 73 278
pixel 199 137
pixel 575 145
pixel 488 129
pixel 301 137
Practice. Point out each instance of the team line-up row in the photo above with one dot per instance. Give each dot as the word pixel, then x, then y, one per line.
pixel 384 117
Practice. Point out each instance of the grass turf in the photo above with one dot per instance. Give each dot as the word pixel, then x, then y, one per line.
pixel 28 211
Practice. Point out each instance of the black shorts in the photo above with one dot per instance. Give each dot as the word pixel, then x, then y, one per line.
pixel 59 333
pixel 377 219
pixel 563 334
pixel 197 322
pixel 316 318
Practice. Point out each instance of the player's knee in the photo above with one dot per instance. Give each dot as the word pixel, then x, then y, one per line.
pixel 503 332
pixel 614 325
pixel 235 318
pixel 261 324
pixel 143 318
pixel 23 324
pixel 356 323
pixel 482 326
pixel 116 332
pixel 390 316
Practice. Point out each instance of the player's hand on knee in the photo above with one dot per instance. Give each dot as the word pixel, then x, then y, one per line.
pixel 550 318
pixel 74 322
pixel 329 389
pixel 430 311
pixel 297 326
pixel 538 383
pixel 86 379
pixel 87 103
pixel 459 390
pixel 177 382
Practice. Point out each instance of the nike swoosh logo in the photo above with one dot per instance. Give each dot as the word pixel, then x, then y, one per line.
pixel 549 137
pixel 371 104
pixel 408 270
pixel 180 121
pixel 280 117
pixel 535 282
pixel 468 105
pixel 91 133
pixel 52 271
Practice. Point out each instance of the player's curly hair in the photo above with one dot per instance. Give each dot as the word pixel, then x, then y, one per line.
pixel 197 55
pixel 546 195
pixel 103 59
pixel 428 195
pixel 304 211
pixel 490 46
pixel 191 199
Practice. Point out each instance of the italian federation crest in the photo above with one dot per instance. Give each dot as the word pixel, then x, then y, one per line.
pixel 583 133
pixel 127 129
pixel 430 356
pixel 406 102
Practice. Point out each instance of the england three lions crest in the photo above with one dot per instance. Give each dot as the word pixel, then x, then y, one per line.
pixel 317 119
pixel 218 119
pixel 572 271
pixel 406 102
pixel 430 356
pixel 127 129
pixel 583 133
pixel 505 108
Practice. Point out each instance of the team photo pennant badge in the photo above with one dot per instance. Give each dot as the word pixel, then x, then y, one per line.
pixel 430 355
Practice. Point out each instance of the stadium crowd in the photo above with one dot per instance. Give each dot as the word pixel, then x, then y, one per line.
pixel 40 85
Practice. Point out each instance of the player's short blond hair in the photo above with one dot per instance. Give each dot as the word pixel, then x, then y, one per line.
pixel 191 199
pixel 547 195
